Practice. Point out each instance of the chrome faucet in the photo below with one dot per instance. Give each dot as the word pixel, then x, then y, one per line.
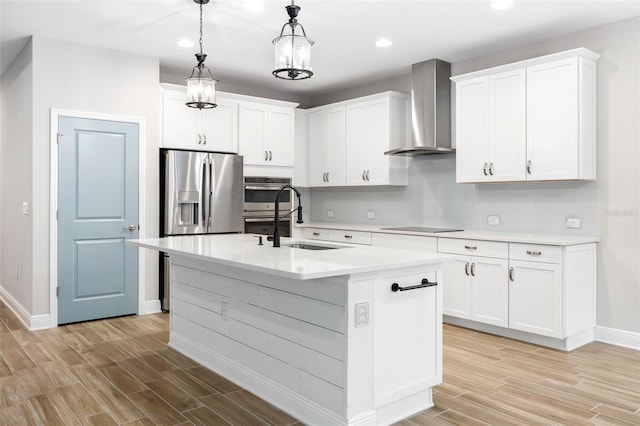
pixel 276 218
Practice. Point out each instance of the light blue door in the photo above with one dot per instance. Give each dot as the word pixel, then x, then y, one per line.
pixel 97 211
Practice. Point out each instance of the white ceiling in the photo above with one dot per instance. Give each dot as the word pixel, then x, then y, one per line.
pixel 238 42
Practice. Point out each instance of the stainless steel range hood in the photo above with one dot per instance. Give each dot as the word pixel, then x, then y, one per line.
pixel 430 110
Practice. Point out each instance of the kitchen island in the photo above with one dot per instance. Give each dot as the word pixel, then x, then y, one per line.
pixel 330 335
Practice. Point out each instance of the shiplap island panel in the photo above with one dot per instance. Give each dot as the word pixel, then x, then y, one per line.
pixel 319 334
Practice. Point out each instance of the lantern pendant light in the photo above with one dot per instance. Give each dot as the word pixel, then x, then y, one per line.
pixel 293 50
pixel 201 87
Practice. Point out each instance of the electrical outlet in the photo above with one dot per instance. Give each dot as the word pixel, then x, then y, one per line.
pixel 25 208
pixel 371 215
pixel 361 314
pixel 224 311
pixel 493 220
pixel 573 223
pixel 329 213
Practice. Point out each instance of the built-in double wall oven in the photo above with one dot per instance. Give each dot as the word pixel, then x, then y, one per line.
pixel 259 205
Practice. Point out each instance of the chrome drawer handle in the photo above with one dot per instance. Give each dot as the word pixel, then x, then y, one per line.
pixel 534 253
pixel 471 247
pixel 424 283
pixel 511 274
pixel 466 268
pixel 348 236
pixel 316 234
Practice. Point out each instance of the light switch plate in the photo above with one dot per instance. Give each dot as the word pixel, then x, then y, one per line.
pixel 573 223
pixel 224 310
pixel 371 215
pixel 329 213
pixel 493 220
pixel 25 208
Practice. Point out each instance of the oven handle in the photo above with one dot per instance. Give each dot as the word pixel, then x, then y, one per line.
pixel 266 219
pixel 264 188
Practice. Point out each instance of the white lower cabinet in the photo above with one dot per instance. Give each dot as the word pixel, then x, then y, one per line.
pixel 476 287
pixel 535 297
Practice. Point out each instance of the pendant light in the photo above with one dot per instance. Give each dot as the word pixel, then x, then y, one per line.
pixel 293 50
pixel 201 87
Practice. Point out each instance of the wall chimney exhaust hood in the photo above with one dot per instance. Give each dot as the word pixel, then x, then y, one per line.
pixel 430 110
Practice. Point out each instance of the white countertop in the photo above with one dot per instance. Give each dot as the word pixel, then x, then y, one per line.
pixel 243 251
pixel 511 237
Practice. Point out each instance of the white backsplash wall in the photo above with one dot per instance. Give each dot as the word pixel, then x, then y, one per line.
pixel 433 198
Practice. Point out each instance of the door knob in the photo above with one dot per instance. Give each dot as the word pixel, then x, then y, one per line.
pixel 131 227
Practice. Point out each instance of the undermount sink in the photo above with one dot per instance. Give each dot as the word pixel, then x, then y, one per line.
pixel 307 246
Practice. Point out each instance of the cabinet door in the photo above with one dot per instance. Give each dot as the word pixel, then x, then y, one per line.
pixel 337 136
pixel 252 134
pixel 319 148
pixel 472 130
pixel 219 126
pixel 280 137
pixel 489 290
pixel 455 289
pixel 507 126
pixel 535 298
pixel 407 340
pixel 179 122
pixel 377 170
pixel 358 138
pixel 552 120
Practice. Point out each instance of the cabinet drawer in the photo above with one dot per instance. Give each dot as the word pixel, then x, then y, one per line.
pixel 473 247
pixel 315 234
pixel 535 253
pixel 354 237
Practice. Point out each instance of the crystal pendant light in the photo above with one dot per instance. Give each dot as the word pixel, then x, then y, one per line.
pixel 293 50
pixel 201 87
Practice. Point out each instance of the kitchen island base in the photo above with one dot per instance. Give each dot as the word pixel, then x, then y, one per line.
pixel 343 350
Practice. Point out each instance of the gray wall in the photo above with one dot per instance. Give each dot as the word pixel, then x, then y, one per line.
pixel 16 238
pixel 65 76
pixel 608 207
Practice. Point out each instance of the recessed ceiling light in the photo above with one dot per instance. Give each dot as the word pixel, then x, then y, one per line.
pixel 501 4
pixel 184 43
pixel 254 5
pixel 384 42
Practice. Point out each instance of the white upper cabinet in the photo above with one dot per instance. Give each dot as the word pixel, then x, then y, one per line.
pixel 347 141
pixel 529 121
pixel 213 129
pixel 266 134
pixel 327 134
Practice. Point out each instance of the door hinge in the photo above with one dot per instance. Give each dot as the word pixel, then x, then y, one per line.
pixel 57 291
pixel 59 135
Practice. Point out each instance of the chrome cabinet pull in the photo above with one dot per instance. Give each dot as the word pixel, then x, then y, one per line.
pixel 473 269
pixel 471 247
pixel 534 253
pixel 199 138
pixel 266 155
pixel 511 274
pixel 466 268
pixel 367 174
pixel 363 172
pixel 529 166
pixel 316 234
pixel 270 155
pixel 327 176
pixel 485 169
pixel 491 169
pixel 348 236
pixel 204 139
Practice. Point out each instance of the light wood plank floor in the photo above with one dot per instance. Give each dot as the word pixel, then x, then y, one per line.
pixel 121 372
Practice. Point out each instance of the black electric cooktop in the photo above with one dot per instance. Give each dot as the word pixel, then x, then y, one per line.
pixel 420 229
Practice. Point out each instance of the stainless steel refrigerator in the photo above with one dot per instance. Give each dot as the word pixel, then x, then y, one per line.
pixel 201 193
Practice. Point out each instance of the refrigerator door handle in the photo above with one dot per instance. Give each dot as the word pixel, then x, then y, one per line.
pixel 205 189
pixel 212 185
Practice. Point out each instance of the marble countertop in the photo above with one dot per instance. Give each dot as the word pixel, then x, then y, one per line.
pixel 243 251
pixel 511 237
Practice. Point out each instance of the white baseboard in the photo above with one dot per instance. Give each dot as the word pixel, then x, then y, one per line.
pixel 627 339
pixel 31 322
pixel 151 307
